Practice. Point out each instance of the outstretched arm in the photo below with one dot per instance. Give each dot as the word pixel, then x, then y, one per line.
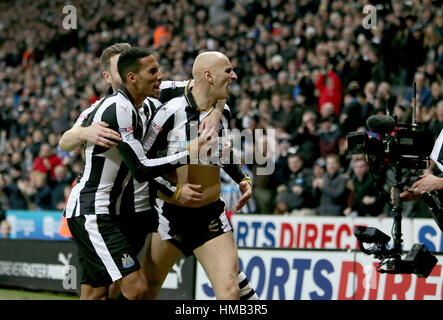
pixel 98 133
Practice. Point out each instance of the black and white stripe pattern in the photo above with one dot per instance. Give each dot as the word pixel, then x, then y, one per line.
pixel 437 151
pixel 106 171
pixel 101 248
pixel 247 292
pixel 137 192
pixel 176 123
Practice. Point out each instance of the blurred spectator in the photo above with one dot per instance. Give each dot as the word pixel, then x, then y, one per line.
pixel 436 125
pixel 47 160
pixel 299 186
pixel 307 138
pixel 436 96
pixel 351 115
pixel 414 52
pixel 331 189
pixel 318 171
pixel 423 91
pixel 5 229
pixel 12 186
pixel 38 192
pixel 329 136
pixel 293 113
pixel 3 199
pixel 330 90
pixel 365 192
pixel 384 97
pixel 58 185
pixel 282 201
pixel 245 114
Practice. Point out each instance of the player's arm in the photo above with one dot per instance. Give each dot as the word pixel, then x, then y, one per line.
pixel 131 149
pixel 236 172
pixel 212 121
pixel 187 194
pixel 97 133
pixel 173 89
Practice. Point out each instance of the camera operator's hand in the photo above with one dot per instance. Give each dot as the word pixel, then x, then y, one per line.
pixel 428 183
pixel 408 194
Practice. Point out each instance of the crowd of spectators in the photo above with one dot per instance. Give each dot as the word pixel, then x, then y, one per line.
pixel 307 69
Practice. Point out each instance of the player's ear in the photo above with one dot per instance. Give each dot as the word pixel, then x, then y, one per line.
pixel 209 77
pixel 107 77
pixel 131 77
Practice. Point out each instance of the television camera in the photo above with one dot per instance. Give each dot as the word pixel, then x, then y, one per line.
pixel 403 147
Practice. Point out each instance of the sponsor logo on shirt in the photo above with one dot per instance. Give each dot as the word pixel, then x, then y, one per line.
pixel 127 129
pixel 214 225
pixel 156 126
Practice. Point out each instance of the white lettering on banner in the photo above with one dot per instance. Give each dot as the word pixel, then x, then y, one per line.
pixel 49 226
pixel 268 231
pixel 370 277
pixel 427 232
pixel 38 270
pixel 27 226
pixel 32 270
pixel 314 275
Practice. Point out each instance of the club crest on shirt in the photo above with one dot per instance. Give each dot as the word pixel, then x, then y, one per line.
pixel 124 108
pixel 127 261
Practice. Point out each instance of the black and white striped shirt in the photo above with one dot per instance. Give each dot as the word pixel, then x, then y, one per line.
pixel 137 195
pixel 107 171
pixel 176 123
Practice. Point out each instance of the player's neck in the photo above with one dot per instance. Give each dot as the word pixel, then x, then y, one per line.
pixel 137 99
pixel 203 100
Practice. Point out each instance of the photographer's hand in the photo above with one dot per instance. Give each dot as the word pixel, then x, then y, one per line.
pixel 408 194
pixel 428 183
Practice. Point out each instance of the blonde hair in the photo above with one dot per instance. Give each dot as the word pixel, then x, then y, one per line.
pixel 111 51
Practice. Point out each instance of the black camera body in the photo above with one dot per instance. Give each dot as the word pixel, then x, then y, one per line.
pixel 402 147
pixel 419 260
pixel 398 146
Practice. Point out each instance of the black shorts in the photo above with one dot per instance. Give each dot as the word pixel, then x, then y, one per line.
pixel 136 226
pixel 189 228
pixel 104 252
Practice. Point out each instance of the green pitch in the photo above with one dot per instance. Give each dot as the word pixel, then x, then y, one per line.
pixel 13 294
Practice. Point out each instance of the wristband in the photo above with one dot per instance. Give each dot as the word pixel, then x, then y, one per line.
pixel 248 180
pixel 177 192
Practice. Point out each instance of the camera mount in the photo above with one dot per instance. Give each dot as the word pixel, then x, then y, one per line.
pixel 395 145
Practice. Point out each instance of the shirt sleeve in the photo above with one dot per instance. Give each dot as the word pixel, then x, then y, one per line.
pixel 171 90
pixel 83 117
pixel 124 120
pixel 166 187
